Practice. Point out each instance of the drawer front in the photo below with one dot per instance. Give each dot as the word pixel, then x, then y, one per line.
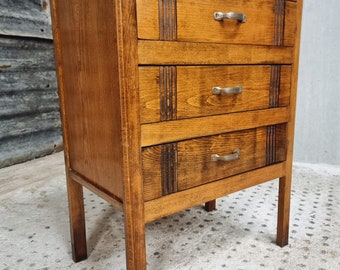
pixel 196 21
pixel 195 164
pixel 178 166
pixel 181 92
pixel 190 20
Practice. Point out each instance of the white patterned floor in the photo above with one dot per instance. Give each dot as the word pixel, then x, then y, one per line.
pixel 34 230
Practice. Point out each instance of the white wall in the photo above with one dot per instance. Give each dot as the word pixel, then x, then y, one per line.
pixel 317 131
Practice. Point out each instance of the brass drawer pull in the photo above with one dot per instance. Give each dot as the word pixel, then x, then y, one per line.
pixel 235 155
pixel 229 90
pixel 238 16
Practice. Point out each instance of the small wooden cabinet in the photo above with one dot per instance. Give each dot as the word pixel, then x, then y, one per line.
pixel 170 104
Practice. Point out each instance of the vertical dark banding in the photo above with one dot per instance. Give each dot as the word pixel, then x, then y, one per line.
pixel 167 20
pixel 271 145
pixel 169 168
pixel 168 93
pixel 274 92
pixel 279 22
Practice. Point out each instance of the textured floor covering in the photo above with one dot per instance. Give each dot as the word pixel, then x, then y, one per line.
pixel 34 230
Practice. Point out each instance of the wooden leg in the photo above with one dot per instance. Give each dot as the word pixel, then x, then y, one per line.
pixel 210 206
pixel 283 211
pixel 135 245
pixel 77 220
pixel 134 226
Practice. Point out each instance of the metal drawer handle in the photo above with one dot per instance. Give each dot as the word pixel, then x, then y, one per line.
pixel 229 90
pixel 235 155
pixel 238 16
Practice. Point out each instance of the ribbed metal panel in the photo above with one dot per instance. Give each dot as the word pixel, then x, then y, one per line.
pixel 29 106
pixel 25 18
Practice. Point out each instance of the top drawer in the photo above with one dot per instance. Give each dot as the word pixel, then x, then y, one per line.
pixel 268 22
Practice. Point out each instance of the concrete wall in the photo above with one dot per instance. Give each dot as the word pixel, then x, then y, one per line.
pixel 317 129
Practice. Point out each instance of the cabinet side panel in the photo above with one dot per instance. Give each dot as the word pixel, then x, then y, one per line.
pixel 85 39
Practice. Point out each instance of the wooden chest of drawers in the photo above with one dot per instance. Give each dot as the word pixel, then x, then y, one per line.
pixel 170 104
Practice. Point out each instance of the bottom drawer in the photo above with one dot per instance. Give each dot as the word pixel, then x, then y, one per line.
pixel 178 166
pixel 197 162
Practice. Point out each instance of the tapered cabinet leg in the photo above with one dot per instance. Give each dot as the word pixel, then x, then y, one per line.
pixel 133 205
pixel 134 224
pixel 135 242
pixel 283 211
pixel 210 206
pixel 77 220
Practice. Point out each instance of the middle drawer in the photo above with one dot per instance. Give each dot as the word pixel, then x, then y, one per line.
pixel 179 92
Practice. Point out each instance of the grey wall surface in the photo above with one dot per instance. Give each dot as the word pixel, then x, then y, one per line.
pixel 317 129
pixel 29 106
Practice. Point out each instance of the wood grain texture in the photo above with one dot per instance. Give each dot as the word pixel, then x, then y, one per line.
pixel 157 20
pixel 152 173
pixel 132 158
pixel 188 198
pixel 286 180
pixel 285 85
pixel 92 102
pixel 276 147
pixel 194 90
pixel 110 198
pixel 151 149
pixel 167 93
pixel 77 219
pixel 195 85
pixel 148 20
pixel 149 88
pixel 195 166
pixel 169 168
pixel 185 53
pixel 163 132
pixel 133 202
pixel 96 53
pixel 194 22
pixel 281 142
pixel 167 19
pixel 279 22
pixel 160 174
pixel 199 25
pixel 291 15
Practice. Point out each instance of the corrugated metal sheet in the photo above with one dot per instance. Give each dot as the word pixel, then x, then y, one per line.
pixel 29 106
pixel 25 18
